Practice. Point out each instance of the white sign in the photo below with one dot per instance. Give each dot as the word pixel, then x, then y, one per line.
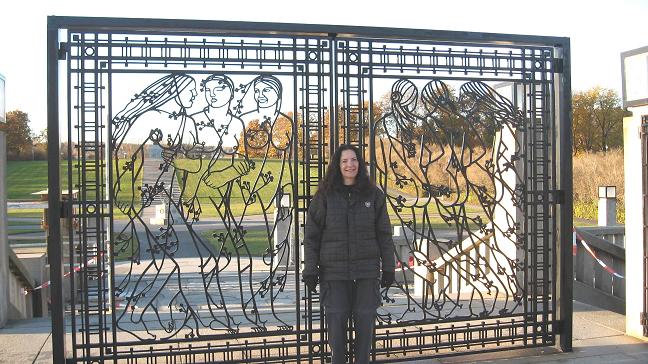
pixel 635 77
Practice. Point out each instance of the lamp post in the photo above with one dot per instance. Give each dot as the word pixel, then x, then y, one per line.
pixel 607 205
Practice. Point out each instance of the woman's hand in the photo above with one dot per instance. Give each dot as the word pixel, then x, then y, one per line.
pixel 311 282
pixel 387 279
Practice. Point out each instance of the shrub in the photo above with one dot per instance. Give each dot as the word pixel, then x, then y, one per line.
pixel 591 170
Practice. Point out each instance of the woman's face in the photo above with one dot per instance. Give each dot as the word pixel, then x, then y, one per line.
pixel 349 166
pixel 188 95
pixel 217 93
pixel 265 95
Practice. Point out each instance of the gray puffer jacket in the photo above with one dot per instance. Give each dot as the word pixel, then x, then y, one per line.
pixel 348 236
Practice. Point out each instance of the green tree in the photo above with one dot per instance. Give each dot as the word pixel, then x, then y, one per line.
pixel 281 132
pixel 39 148
pixel 255 139
pixel 582 116
pixel 345 118
pixel 597 120
pixel 19 142
pixel 608 116
pixel 40 138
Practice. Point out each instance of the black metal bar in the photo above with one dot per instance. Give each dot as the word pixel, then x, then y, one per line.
pixel 372 144
pixel 294 248
pixel 54 247
pixel 559 197
pixel 70 183
pixel 527 224
pixel 644 168
pixel 565 291
pixel 220 27
pixel 111 224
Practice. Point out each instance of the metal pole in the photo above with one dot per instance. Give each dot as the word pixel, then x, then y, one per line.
pixel 565 292
pixel 54 249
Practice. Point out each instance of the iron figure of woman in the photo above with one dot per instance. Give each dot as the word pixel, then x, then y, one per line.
pixel 266 192
pixel 226 163
pixel 155 300
pixel 406 148
pixel 464 153
pixel 495 121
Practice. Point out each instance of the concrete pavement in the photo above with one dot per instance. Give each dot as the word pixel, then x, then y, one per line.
pixel 598 338
pixel 26 341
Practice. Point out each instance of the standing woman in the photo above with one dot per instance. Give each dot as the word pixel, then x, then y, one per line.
pixel 348 243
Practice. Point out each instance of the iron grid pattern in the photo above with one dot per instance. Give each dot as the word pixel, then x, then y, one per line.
pixel 460 136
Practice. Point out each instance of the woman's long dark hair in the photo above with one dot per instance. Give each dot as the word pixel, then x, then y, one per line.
pixel 333 178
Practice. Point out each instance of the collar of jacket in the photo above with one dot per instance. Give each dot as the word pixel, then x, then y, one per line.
pixel 356 194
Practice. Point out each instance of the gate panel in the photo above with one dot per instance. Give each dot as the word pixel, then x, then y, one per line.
pixel 187 154
pixel 196 148
pixel 460 139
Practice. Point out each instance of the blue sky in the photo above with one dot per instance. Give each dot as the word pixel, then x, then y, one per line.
pixel 599 30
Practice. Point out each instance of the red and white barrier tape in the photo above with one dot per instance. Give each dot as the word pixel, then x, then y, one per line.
pixel 76 269
pixel 578 238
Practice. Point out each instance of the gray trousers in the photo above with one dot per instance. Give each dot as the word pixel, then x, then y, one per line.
pixel 359 300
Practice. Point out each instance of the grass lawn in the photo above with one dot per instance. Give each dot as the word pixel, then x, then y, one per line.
pixel 24 213
pixel 126 249
pixel 27 241
pixel 11 231
pixel 23 223
pixel 26 177
pixel 436 223
pixel 255 240
pixel 239 192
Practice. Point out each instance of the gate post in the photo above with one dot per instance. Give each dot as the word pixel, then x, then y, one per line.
pixel 635 153
pixel 54 249
pixel 634 156
pixel 564 179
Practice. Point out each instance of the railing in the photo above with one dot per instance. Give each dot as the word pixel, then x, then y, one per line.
pixel 599 266
pixel 452 271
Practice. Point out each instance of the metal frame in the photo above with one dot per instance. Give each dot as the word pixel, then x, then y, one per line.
pixel 348 64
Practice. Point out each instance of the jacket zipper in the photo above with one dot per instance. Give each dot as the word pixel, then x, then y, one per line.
pixel 348 238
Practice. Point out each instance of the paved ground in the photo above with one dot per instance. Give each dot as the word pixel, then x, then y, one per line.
pixel 598 338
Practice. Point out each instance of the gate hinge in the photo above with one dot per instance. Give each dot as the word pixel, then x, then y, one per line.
pixel 558 65
pixel 63 51
pixel 558 196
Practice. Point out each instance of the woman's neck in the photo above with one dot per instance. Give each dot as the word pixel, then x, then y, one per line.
pixel 348 182
pixel 218 115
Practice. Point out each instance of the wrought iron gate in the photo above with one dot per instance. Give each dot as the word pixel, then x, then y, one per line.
pixel 195 148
